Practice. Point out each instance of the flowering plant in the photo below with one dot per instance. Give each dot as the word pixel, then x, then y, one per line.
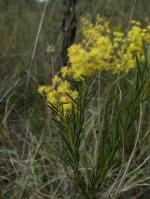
pixel 100 50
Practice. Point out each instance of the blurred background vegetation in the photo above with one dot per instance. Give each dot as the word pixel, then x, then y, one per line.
pixel 30 166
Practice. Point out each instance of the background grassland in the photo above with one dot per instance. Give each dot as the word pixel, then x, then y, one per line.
pixel 31 159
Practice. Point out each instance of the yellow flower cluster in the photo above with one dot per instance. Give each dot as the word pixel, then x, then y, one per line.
pixel 101 49
pixel 59 94
pixel 127 46
pixel 94 54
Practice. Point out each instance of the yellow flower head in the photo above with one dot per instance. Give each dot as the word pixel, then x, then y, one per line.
pixel 66 71
pixel 63 87
pixel 56 80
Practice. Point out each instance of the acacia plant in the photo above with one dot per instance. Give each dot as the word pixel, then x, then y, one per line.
pixel 122 59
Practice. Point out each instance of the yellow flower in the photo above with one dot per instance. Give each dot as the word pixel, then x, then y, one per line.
pixel 52 98
pixel 63 87
pixel 66 71
pixel 134 22
pixel 67 108
pixel 44 89
pixel 56 79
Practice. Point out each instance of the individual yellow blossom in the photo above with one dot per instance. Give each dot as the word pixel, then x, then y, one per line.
pixel 63 87
pixel 56 80
pixel 44 89
pixel 118 37
pixel 64 99
pixel 66 71
pixel 118 34
pixel 52 97
pixel 67 108
pixel 134 22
